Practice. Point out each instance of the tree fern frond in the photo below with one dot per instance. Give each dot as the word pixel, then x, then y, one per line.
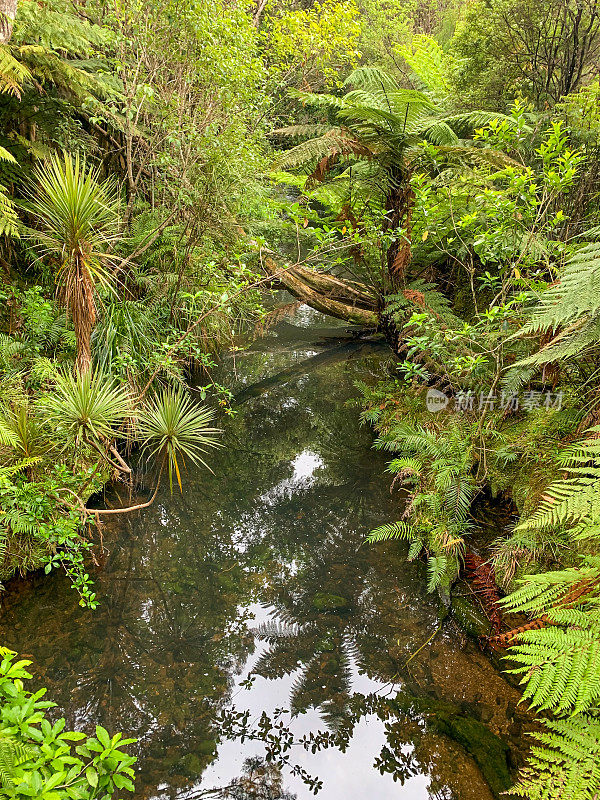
pixel 334 142
pixel 566 763
pixel 570 309
pixel 371 79
pixel 14 469
pixel 12 73
pixel 465 124
pixel 441 133
pixel 302 130
pixel 391 530
pixel 428 61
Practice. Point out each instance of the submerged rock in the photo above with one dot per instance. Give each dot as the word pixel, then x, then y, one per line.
pixel 490 752
pixel 470 617
pixel 323 601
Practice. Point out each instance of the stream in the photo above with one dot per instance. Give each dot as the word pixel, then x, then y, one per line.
pixel 254 591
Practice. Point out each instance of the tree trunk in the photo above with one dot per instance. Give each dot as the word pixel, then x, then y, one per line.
pixel 83 338
pixel 344 300
pixel 8 12
pixel 78 294
pixel 258 13
pixel 399 206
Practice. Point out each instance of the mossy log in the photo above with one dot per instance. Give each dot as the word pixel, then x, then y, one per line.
pixel 345 300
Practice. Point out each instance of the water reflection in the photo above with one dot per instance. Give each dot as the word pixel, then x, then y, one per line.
pixel 253 591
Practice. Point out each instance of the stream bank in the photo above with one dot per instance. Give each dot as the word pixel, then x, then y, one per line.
pixel 253 590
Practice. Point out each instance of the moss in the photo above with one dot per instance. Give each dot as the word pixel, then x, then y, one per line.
pixel 489 752
pixel 470 617
pixel 323 601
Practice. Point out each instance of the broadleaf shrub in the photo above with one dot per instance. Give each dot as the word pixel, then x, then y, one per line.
pixel 44 760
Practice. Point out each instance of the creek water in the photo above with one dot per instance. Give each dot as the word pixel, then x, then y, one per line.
pixel 254 591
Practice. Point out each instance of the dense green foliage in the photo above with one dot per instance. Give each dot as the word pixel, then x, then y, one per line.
pixel 425 168
pixel 41 759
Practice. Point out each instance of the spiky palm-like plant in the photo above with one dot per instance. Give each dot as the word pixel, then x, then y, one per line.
pixel 88 407
pixel 76 216
pixel 173 427
pixel 22 434
pixel 384 125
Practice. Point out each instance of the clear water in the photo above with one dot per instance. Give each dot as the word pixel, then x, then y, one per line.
pixel 259 570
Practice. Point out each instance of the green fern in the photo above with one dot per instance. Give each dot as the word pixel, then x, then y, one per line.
pixel 558 654
pixel 14 469
pixel 13 754
pixel 573 500
pixel 428 62
pixel 391 530
pixel 380 122
pixel 570 310
pixel 8 216
pixel 437 567
pixel 438 471
pixel 12 73
pixel 566 762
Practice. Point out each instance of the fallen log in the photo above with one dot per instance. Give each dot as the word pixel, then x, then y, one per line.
pixel 327 294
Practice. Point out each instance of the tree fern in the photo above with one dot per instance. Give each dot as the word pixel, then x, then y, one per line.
pixel 421 296
pixel 569 310
pixel 333 142
pixel 379 120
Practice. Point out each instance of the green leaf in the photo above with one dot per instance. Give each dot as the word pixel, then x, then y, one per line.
pixel 103 737
pixel 91 776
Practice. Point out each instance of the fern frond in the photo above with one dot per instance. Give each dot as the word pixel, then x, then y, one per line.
pixel 566 762
pixel 429 62
pixel 437 567
pixel 334 142
pixel 569 309
pixel 12 73
pixel 391 530
pixel 371 79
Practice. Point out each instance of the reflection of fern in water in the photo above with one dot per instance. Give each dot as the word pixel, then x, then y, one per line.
pixel 321 655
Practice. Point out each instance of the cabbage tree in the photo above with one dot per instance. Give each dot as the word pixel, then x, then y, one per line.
pixel 76 216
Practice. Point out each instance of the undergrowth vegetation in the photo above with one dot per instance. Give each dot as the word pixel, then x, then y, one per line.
pixel 41 758
pixel 425 170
